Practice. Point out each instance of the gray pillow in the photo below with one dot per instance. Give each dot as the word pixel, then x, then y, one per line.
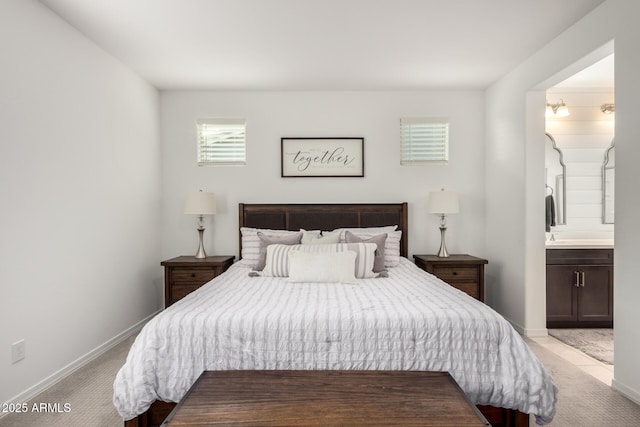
pixel 379 240
pixel 266 240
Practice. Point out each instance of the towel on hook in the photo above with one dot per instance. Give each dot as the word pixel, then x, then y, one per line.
pixel 550 213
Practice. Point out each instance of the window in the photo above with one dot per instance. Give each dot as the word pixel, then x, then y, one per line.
pixel 221 142
pixel 424 140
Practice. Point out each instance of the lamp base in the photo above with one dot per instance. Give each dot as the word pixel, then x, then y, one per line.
pixel 201 253
pixel 443 253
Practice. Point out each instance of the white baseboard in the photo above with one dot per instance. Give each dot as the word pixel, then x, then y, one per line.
pixel 519 328
pixel 528 332
pixel 628 392
pixel 533 333
pixel 43 385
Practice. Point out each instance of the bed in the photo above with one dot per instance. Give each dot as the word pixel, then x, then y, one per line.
pixel 398 318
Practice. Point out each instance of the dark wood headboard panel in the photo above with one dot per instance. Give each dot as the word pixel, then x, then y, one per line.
pixel 325 217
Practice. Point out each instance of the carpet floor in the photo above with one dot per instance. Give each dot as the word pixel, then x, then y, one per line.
pixel 582 400
pixel 597 343
pixel 88 391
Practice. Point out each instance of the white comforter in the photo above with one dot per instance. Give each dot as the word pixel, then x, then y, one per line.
pixel 408 321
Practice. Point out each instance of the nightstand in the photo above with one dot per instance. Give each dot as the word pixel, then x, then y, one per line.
pixel 185 274
pixel 464 272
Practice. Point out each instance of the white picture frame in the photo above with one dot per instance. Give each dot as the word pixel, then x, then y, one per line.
pixel 322 157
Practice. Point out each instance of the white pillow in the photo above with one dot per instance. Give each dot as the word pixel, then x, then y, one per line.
pixel 327 238
pixel 367 230
pixel 308 236
pixel 391 245
pixel 251 243
pixel 277 262
pixel 337 267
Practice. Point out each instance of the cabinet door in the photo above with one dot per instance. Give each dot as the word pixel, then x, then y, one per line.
pixel 562 299
pixel 595 298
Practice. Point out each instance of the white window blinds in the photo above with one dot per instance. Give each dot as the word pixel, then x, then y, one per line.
pixel 221 142
pixel 424 140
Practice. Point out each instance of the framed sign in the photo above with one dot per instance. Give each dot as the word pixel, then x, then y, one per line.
pixel 322 157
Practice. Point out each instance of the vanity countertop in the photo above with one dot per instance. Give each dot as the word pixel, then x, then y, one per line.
pixel 580 244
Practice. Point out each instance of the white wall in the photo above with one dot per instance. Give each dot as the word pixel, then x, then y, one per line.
pixel 516 178
pixel 272 115
pixel 80 196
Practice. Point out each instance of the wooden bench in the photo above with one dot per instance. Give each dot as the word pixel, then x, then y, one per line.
pixel 313 398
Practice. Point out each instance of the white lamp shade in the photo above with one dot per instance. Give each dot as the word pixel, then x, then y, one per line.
pixel 562 111
pixel 200 203
pixel 548 112
pixel 443 202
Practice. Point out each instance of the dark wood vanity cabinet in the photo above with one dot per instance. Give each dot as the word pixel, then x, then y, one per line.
pixel 579 288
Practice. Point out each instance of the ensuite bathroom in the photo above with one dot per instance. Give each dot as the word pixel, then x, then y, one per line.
pixel 579 209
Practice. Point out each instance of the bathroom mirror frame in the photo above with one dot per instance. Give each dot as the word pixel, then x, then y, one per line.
pixel 560 185
pixel 608 180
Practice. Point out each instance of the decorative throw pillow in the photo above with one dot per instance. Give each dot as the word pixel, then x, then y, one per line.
pixel 392 249
pixel 368 230
pixel 327 238
pixel 336 267
pixel 277 264
pixel 379 240
pixel 251 243
pixel 391 246
pixel 281 239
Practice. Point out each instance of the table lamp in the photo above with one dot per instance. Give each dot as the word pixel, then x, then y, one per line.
pixel 200 203
pixel 442 203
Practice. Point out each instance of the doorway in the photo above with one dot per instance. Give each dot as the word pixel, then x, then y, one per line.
pixel 580 120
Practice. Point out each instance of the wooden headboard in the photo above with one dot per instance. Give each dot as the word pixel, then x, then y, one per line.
pixel 325 217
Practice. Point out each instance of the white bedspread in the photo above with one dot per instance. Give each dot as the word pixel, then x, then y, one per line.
pixel 408 321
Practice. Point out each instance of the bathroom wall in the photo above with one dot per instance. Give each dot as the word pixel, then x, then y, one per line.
pixel 583 137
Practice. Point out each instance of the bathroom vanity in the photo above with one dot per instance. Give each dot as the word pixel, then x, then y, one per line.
pixel 579 212
pixel 580 284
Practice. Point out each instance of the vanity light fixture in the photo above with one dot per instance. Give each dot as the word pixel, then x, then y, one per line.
pixel 200 203
pixel 557 110
pixel 442 203
pixel 608 108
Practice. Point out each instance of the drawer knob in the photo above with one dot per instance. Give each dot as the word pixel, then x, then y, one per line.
pixel 193 274
pixel 455 273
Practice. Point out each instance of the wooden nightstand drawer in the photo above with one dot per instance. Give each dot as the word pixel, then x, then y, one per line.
pixel 463 272
pixel 179 291
pixel 471 289
pixel 185 274
pixel 457 274
pixel 192 276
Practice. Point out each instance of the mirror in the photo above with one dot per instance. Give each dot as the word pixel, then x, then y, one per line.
pixel 555 178
pixel 608 183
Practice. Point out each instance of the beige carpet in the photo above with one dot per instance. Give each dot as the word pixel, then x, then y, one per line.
pixel 583 400
pixel 89 391
pixel 597 343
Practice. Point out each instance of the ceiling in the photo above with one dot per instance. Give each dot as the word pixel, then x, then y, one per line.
pixel 600 75
pixel 321 44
